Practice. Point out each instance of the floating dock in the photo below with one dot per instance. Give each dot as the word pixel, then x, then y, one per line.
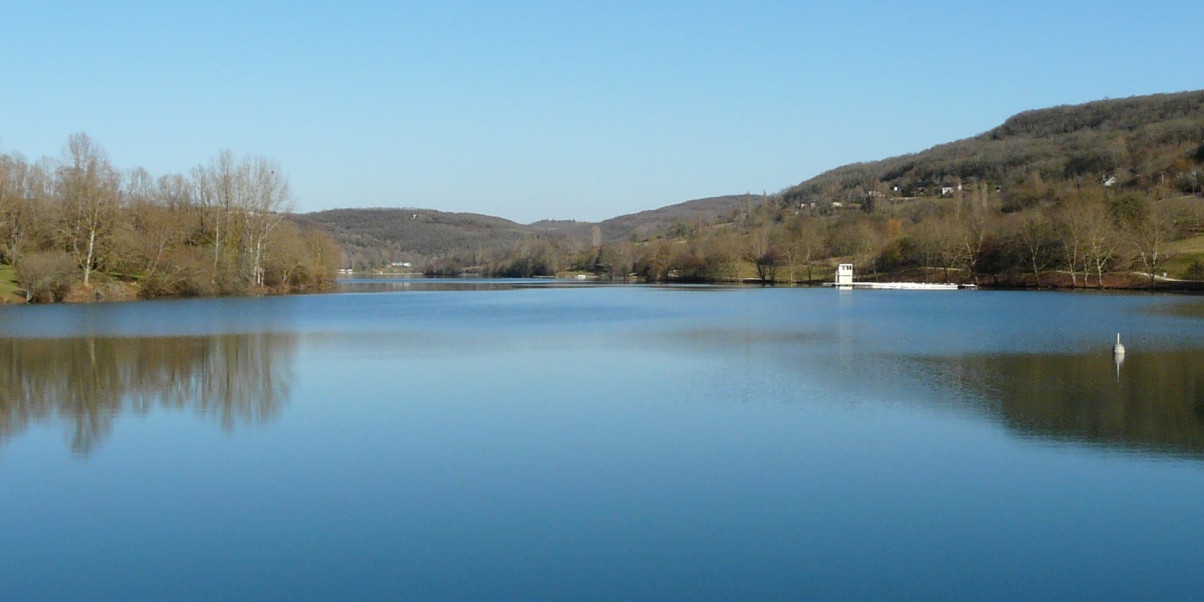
pixel 844 281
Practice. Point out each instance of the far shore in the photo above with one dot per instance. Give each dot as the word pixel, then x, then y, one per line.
pixel 120 291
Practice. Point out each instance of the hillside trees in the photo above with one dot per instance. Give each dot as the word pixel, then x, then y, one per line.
pixel 976 223
pixel 267 198
pixel 218 232
pixel 302 259
pixel 764 252
pixel 219 193
pixel 88 193
pixel 804 243
pixel 1148 228
pixel 24 190
pixel 1035 238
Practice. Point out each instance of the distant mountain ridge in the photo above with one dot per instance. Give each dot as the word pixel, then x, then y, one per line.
pixel 1131 139
pixel 1136 143
pixel 380 236
pixel 377 237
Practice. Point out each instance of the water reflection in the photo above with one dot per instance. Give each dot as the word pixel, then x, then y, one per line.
pixel 1153 401
pixel 89 382
pixel 1149 401
pixel 389 284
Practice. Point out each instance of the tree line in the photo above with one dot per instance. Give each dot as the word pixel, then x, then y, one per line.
pixel 78 228
pixel 1066 235
pixel 1070 196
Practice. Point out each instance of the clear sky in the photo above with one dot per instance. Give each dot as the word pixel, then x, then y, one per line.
pixel 561 109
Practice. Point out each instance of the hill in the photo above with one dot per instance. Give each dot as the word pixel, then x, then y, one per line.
pixel 652 221
pixel 648 223
pixel 1130 141
pixel 374 238
pixel 1100 194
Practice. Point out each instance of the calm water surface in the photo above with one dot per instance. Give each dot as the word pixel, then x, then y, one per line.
pixel 522 440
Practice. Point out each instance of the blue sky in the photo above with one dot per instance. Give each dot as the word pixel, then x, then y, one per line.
pixel 562 110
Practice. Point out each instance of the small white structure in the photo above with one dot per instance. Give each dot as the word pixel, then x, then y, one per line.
pixel 844 282
pixel 844 275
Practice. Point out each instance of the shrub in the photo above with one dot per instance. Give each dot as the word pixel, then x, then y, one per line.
pixel 46 276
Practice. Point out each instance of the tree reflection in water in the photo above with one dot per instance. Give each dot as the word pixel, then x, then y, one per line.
pixel 1153 402
pixel 89 382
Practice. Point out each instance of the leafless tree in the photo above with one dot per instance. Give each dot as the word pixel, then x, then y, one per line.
pixel 1148 231
pixel 89 191
pixel 1035 233
pixel 266 201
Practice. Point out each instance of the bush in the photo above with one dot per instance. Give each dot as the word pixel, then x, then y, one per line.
pixel 46 276
pixel 1196 270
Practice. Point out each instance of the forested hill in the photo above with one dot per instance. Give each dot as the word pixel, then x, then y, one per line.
pixel 1132 140
pixel 646 223
pixel 651 222
pixel 1065 196
pixel 377 237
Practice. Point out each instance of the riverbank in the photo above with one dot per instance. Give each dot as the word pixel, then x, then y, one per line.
pixel 9 291
pixel 107 288
pixel 1046 280
pixel 118 290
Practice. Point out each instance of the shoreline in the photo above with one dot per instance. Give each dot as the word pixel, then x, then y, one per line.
pixel 123 292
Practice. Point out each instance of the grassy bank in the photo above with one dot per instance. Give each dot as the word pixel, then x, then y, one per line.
pixel 8 286
pixel 1186 258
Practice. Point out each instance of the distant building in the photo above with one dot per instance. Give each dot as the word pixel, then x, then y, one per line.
pixel 844 275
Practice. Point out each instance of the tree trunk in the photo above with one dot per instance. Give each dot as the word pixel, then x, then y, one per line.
pixel 88 261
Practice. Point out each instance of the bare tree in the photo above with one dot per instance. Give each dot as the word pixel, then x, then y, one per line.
pixel 924 240
pixel 804 242
pixel 973 228
pixel 1072 223
pixel 763 253
pixel 1035 233
pixel 240 204
pixel 266 201
pixel 22 189
pixel 1101 238
pixel 1148 231
pixel 219 191
pixel 946 238
pixel 89 193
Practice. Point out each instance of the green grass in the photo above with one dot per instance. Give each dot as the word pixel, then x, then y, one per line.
pixel 1183 254
pixel 1187 246
pixel 8 285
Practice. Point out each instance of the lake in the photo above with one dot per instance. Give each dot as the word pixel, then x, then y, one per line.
pixel 548 440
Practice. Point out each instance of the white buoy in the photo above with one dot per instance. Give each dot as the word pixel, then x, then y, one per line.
pixel 1118 356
